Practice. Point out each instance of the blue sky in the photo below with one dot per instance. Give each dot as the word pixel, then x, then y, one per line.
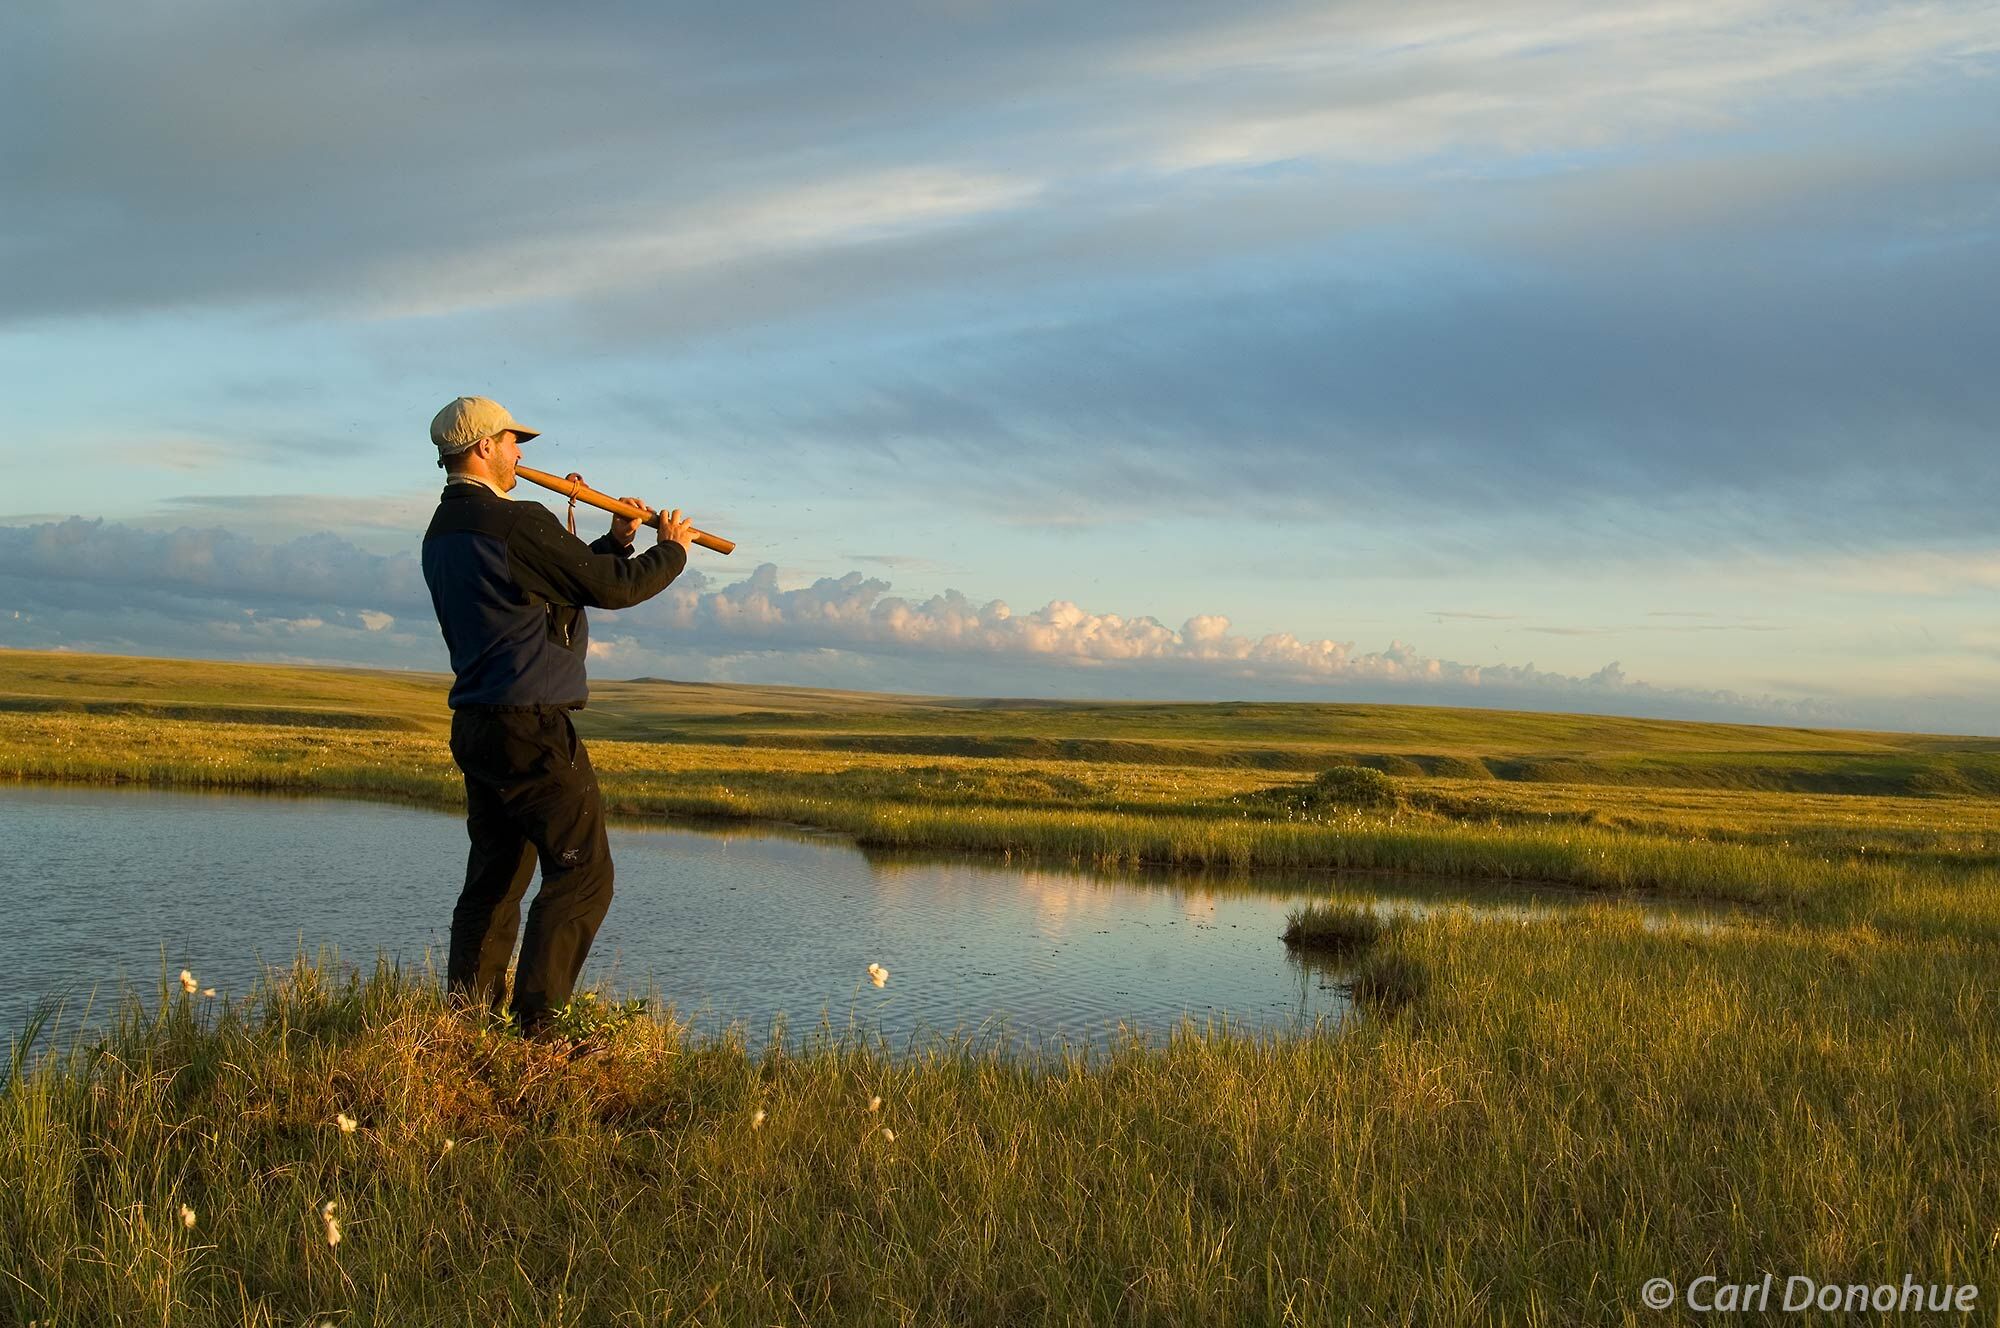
pixel 1557 355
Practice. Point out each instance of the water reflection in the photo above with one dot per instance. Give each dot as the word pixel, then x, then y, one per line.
pixel 734 928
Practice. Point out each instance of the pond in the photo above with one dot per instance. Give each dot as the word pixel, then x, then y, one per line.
pixel 113 888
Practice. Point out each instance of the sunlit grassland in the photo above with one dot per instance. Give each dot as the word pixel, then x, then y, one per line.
pixel 1573 1106
pixel 1553 1111
pixel 1922 863
pixel 183 688
pixel 1403 740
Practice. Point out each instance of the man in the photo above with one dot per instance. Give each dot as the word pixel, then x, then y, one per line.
pixel 510 586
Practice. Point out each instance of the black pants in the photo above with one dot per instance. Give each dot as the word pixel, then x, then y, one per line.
pixel 529 793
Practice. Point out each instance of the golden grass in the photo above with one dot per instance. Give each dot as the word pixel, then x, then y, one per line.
pixel 1562 1110
pixel 1533 1117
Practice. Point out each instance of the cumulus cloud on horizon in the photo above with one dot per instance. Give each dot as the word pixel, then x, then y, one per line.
pixel 94 584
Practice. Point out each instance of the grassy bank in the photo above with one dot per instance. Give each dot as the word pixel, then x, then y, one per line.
pixel 1923 865
pixel 1569 1108
pixel 1917 864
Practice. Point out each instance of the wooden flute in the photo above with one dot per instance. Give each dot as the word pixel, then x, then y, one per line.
pixel 583 493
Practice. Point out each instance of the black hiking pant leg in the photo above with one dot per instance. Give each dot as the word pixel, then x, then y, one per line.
pixel 530 793
pixel 567 825
pixel 487 919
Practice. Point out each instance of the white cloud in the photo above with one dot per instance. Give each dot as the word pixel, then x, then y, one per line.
pixel 855 614
pixel 102 585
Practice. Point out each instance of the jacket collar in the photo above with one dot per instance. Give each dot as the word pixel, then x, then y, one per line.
pixel 472 490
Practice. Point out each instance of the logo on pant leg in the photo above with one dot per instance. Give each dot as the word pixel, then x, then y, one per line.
pixel 571 856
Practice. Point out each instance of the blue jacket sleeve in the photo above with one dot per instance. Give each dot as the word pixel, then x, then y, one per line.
pixel 549 561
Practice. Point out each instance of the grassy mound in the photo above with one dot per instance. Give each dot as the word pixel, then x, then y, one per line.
pixel 1334 928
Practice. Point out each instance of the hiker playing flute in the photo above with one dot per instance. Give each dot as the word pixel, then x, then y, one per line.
pixel 510 586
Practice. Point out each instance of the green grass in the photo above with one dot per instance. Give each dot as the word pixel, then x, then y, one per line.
pixel 1556 1111
pixel 1527 1119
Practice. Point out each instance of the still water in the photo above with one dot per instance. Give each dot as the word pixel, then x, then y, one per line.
pixel 108 889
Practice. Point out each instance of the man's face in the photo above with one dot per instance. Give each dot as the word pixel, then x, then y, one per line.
pixel 506 460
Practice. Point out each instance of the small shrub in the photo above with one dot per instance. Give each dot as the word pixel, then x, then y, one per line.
pixel 590 1018
pixel 1344 788
pixel 1350 786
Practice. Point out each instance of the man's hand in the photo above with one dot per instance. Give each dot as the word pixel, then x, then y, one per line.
pixel 623 528
pixel 673 526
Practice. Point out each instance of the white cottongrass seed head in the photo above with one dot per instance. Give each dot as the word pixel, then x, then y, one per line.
pixel 347 1123
pixel 878 975
pixel 332 1223
pixel 187 1216
pixel 208 992
pixel 874 1104
pixel 450 1144
pixel 757 1119
pixel 188 984
pixel 888 1135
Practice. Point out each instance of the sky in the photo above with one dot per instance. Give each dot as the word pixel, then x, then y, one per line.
pixel 1536 354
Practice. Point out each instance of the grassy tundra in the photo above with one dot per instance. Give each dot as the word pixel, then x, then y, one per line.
pixel 1532 1120
pixel 1896 829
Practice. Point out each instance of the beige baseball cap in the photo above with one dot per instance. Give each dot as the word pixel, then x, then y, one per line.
pixel 469 419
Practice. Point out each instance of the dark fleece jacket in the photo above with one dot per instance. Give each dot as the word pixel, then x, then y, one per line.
pixel 510 586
